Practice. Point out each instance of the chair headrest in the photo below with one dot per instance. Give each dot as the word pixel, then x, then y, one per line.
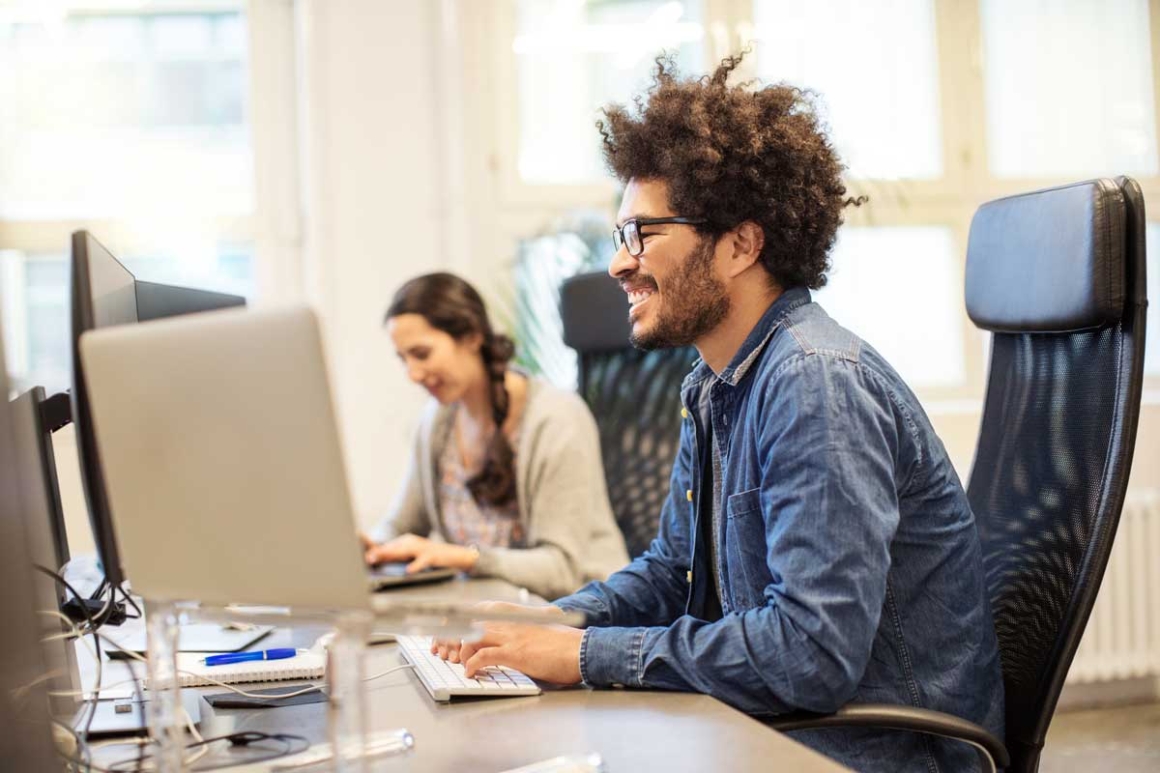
pixel 594 311
pixel 1048 261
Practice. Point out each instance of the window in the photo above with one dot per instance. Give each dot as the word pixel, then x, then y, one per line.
pixel 1152 336
pixel 575 57
pixel 896 288
pixel 875 68
pixel 107 115
pixel 132 123
pixel 1069 88
pixel 36 320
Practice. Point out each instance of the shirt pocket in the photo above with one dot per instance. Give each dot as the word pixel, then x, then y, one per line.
pixel 745 550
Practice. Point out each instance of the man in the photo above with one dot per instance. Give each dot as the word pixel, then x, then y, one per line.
pixel 816 547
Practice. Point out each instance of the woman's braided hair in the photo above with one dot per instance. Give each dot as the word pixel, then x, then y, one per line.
pixel 451 305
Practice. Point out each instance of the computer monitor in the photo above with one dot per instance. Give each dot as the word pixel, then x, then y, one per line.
pixel 38 480
pixel 104 294
pixel 26 740
pixel 44 531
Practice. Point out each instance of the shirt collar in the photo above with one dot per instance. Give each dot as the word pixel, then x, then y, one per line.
pixel 754 343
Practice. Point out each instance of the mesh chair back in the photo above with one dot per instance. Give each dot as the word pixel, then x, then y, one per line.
pixel 635 397
pixel 1059 423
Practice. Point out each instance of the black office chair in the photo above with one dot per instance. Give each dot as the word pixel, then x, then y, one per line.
pixel 1058 277
pixel 635 397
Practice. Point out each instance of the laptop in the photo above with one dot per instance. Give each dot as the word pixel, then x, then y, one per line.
pixel 225 471
pixel 394 574
pixel 222 454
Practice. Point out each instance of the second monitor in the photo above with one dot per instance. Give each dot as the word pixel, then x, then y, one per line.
pixel 104 294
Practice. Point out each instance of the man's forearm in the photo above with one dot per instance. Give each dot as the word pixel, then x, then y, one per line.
pixel 645 593
pixel 753 661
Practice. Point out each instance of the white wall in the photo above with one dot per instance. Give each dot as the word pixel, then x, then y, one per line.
pixel 372 182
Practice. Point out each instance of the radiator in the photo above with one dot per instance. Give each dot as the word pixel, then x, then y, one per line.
pixel 1122 640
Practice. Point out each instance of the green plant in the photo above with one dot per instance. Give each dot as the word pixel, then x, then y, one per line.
pixel 526 301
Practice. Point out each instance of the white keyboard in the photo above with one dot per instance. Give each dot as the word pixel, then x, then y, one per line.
pixel 446 680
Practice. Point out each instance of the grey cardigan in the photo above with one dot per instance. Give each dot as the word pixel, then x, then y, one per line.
pixel 571 534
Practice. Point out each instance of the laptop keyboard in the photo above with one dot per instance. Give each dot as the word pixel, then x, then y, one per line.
pixel 445 681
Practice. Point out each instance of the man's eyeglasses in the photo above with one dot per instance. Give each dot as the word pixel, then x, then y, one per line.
pixel 629 233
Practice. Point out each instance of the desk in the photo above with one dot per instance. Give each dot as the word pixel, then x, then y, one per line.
pixel 633 730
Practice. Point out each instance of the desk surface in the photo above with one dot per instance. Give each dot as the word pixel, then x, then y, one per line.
pixel 632 730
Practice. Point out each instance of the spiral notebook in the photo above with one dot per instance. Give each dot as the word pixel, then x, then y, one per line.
pixel 307 664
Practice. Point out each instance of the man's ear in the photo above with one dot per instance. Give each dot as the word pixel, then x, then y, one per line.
pixel 746 242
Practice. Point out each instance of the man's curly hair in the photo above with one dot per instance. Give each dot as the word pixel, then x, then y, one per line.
pixel 730 154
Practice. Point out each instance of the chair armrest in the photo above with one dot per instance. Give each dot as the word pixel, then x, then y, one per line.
pixel 899 718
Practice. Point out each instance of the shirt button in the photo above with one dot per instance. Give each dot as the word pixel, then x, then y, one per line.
pixel 689 495
pixel 684 412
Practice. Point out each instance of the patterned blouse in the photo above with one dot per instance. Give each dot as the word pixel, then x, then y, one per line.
pixel 467 522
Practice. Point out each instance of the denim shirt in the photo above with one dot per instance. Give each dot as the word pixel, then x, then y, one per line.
pixel 849 563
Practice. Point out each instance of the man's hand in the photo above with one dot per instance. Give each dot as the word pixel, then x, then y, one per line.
pixel 421 553
pixel 550 653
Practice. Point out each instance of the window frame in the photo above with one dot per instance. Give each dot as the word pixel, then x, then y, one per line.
pixel 512 209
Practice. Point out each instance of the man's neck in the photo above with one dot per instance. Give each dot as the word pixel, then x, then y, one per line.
pixel 719 346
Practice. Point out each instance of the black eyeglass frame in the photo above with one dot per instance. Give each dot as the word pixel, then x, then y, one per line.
pixel 618 231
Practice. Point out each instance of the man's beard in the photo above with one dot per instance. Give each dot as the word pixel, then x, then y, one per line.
pixel 694 303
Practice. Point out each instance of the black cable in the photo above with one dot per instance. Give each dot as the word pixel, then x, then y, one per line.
pixel 132 603
pixel 238 739
pixel 100 591
pixel 242 738
pixel 93 626
pixel 130 663
pixel 84 735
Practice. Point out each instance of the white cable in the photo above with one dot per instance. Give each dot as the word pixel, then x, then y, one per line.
pixel 78 754
pixel 191 726
pixel 390 671
pixel 76 633
pixel 187 762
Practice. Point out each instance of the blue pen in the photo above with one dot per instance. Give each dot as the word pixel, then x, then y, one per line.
pixel 243 657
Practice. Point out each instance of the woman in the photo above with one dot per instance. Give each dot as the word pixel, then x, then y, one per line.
pixel 506 478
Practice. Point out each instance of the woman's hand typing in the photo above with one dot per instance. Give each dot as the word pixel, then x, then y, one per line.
pixel 420 553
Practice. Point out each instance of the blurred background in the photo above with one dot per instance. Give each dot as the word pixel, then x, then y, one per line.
pixel 326 150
